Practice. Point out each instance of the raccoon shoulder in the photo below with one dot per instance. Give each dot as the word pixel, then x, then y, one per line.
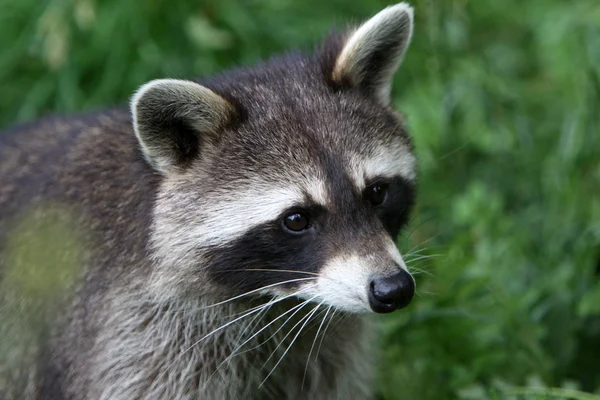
pixel 88 166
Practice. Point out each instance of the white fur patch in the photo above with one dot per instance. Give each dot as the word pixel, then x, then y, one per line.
pixel 225 221
pixel 187 221
pixel 217 223
pixel 317 190
pixel 224 218
pixel 343 282
pixel 386 162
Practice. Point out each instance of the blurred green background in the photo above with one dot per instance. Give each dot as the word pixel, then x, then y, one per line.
pixel 503 100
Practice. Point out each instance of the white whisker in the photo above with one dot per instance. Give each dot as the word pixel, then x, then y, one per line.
pixel 313 345
pixel 307 317
pixel 416 271
pixel 281 327
pixel 235 351
pixel 252 311
pixel 258 290
pixel 325 331
pixel 266 326
pixel 422 257
pixel 281 270
pixel 415 252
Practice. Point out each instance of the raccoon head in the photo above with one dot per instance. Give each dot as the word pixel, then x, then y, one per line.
pixel 291 178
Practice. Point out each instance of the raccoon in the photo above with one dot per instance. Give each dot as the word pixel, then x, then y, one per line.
pixel 235 233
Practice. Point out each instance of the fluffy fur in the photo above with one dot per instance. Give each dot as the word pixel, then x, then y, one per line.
pixel 188 283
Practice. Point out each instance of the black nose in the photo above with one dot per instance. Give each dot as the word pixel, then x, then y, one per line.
pixel 390 293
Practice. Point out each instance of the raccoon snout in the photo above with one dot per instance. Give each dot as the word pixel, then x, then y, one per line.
pixel 390 293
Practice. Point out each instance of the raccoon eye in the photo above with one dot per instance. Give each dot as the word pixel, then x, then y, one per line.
pixel 377 193
pixel 295 223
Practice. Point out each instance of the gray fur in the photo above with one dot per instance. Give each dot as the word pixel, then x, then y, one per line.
pixel 163 105
pixel 174 214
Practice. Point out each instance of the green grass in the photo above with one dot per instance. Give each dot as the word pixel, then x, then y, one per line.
pixel 503 100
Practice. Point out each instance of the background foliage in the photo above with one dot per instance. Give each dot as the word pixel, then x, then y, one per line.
pixel 503 99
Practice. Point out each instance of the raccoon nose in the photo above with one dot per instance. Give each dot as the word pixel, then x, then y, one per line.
pixel 390 293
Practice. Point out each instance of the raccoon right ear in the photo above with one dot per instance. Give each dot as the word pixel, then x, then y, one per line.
pixel 369 55
pixel 173 119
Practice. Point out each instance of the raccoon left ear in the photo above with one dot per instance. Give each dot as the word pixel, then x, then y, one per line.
pixel 371 54
pixel 175 119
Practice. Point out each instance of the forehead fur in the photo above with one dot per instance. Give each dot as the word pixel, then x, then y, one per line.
pixel 291 116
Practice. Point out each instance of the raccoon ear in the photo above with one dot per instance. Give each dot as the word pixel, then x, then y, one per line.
pixel 371 54
pixel 173 119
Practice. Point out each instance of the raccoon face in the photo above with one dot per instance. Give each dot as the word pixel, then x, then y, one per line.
pixel 289 179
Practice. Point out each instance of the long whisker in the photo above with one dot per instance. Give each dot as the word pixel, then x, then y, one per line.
pixel 252 311
pixel 316 322
pixel 262 305
pixel 424 242
pixel 273 301
pixel 235 351
pixel 313 345
pixel 250 324
pixel 417 271
pixel 416 265
pixel 417 251
pixel 420 293
pixel 307 317
pixel 196 310
pixel 415 227
pixel 325 331
pixel 291 271
pixel 257 290
pixel 340 320
pixel 273 321
pixel 279 329
pixel 275 270
pixel 290 331
pixel 423 257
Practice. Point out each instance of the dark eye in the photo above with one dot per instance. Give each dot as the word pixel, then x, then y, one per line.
pixel 296 222
pixel 376 194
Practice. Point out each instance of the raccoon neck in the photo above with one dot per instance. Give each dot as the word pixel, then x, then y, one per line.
pixel 178 349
